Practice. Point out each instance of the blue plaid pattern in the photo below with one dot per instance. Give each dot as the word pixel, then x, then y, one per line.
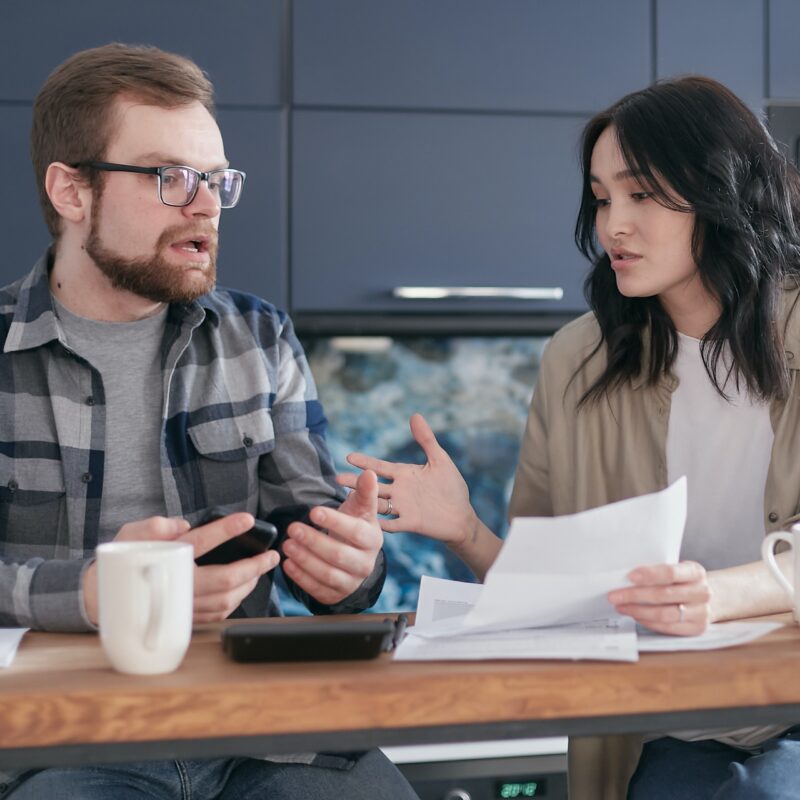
pixel 242 428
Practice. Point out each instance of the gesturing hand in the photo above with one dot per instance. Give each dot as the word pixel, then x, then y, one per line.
pixel 330 566
pixel 432 499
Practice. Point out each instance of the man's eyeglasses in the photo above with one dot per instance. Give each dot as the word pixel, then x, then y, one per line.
pixel 177 186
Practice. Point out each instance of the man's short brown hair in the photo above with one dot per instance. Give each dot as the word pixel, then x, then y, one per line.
pixel 72 119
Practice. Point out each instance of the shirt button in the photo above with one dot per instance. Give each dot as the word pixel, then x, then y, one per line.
pixel 90 401
pixel 86 477
pixel 773 517
pixel 12 485
pixel 247 441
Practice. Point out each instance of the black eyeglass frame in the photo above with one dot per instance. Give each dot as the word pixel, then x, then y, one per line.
pixel 107 166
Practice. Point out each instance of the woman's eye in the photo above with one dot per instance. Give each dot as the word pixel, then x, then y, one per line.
pixel 641 195
pixel 600 202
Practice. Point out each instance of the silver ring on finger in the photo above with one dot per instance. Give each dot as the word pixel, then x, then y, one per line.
pixel 681 612
pixel 389 506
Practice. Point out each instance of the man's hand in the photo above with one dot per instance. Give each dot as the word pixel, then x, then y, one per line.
pixel 218 589
pixel 332 566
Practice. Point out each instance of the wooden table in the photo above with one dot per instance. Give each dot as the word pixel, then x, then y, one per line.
pixel 61 703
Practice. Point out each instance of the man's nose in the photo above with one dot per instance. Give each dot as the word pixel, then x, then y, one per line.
pixel 205 202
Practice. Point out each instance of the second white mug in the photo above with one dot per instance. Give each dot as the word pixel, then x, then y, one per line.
pixel 792 538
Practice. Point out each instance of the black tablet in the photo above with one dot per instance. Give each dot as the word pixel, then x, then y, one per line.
pixel 309 640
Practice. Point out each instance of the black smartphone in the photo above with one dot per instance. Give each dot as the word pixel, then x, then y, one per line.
pixel 260 538
pixel 308 640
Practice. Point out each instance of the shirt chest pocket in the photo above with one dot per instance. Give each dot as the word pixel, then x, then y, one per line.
pixel 33 520
pixel 228 452
pixel 234 438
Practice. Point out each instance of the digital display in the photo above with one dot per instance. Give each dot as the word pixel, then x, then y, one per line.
pixel 531 788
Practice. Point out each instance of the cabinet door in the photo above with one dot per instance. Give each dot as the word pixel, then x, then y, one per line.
pixel 471 54
pixel 25 236
pixel 252 250
pixel 723 39
pixel 384 200
pixel 252 253
pixel 784 53
pixel 239 43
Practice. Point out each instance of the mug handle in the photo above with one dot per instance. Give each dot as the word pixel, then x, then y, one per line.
pixel 155 577
pixel 768 554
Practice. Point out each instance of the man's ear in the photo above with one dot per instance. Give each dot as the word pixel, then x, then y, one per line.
pixel 68 192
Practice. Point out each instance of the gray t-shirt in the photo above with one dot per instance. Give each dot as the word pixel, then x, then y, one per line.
pixel 127 356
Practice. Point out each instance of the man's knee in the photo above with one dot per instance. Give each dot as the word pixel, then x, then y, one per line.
pixel 771 775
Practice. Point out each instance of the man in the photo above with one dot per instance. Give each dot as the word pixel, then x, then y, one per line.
pixel 134 397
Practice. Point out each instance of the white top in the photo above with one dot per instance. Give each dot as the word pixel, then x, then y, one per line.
pixel 723 448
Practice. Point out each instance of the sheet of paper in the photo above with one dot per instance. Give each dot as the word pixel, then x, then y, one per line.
pixel 558 570
pixel 442 599
pixel 607 640
pixel 9 642
pixel 718 635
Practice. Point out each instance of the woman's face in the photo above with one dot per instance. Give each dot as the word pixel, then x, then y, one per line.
pixel 650 246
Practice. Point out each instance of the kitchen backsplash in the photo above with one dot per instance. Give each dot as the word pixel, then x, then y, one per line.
pixel 473 391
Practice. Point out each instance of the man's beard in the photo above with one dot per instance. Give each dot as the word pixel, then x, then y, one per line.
pixel 155 277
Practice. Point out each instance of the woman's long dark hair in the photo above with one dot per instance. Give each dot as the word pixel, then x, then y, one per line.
pixel 694 138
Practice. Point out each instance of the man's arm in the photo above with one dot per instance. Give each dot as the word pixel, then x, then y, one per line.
pixel 44 594
pixel 335 565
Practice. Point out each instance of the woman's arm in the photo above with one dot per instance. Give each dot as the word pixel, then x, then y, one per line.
pixel 749 590
pixel 682 599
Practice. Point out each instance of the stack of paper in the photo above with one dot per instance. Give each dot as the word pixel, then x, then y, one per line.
pixel 9 642
pixel 546 594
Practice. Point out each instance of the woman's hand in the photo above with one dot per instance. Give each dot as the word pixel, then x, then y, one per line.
pixel 431 499
pixel 667 598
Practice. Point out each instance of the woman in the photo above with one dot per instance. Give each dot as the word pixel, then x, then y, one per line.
pixel 685 365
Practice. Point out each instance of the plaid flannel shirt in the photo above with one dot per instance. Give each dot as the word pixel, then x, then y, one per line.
pixel 242 428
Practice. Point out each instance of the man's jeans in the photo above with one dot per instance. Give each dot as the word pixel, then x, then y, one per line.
pixel 670 769
pixel 372 776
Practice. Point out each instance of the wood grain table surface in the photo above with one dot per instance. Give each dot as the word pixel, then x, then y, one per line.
pixel 61 702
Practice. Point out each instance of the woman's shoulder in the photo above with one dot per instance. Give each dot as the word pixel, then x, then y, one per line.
pixel 568 352
pixel 575 340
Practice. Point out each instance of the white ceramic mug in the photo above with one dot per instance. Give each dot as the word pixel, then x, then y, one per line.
pixel 791 537
pixel 145 597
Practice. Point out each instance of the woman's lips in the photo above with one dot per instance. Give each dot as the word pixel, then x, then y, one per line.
pixel 624 260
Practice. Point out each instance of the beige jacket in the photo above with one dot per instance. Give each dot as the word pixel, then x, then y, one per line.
pixel 614 449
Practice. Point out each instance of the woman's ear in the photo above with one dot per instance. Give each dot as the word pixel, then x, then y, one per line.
pixel 68 192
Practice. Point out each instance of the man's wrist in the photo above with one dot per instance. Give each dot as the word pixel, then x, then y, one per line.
pixel 89 587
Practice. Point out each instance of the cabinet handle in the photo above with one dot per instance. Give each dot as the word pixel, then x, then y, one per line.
pixel 485 292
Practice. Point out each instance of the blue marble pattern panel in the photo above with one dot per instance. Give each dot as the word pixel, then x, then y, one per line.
pixel 474 392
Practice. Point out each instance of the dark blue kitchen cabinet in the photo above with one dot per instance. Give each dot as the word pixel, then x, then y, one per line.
pixel 382 200
pixel 253 236
pixel 25 236
pixel 471 54
pixel 238 43
pixel 784 53
pixel 686 34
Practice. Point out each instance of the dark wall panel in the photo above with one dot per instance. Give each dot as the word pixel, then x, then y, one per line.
pixel 238 43
pixel 25 236
pixel 388 199
pixel 784 53
pixel 476 54
pixel 252 252
pixel 252 235
pixel 687 31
